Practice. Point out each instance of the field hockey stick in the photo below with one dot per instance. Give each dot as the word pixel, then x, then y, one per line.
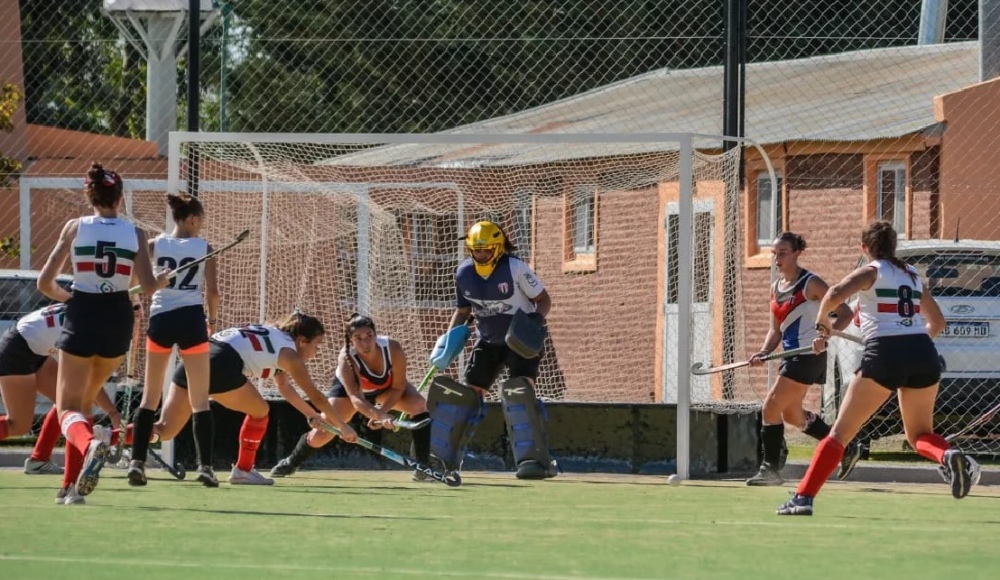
pixel 846 336
pixel 116 453
pixel 699 369
pixel 173 273
pixel 398 424
pixel 982 420
pixel 452 479
pixel 410 425
pixel 177 470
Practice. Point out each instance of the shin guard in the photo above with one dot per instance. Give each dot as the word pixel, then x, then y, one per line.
pixel 455 410
pixel 525 416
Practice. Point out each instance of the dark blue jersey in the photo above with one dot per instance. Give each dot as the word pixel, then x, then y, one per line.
pixel 511 287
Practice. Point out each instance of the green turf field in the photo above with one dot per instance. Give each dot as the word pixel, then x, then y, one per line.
pixel 379 524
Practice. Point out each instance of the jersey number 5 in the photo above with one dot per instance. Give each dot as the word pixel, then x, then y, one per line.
pixel 189 274
pixel 904 307
pixel 257 336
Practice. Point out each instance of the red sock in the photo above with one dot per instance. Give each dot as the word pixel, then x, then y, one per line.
pixel 73 464
pixel 251 433
pixel 47 437
pixel 932 446
pixel 77 430
pixel 117 433
pixel 824 461
pixel 4 429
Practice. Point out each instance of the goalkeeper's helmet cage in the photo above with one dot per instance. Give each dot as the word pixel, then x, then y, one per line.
pixel 486 235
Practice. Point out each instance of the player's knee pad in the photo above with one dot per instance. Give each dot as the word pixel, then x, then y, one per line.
pixel 525 416
pixel 455 411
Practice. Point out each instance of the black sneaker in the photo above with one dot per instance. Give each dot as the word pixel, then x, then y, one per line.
pixel 531 469
pixel 963 472
pixel 852 454
pixel 799 505
pixel 136 473
pixel 766 476
pixel 284 468
pixel 206 476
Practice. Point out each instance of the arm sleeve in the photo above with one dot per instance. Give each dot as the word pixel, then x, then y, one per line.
pixel 526 279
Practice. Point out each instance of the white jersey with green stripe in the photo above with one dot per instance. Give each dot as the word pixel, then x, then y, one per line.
pixel 891 307
pixel 103 254
pixel 258 345
pixel 42 328
pixel 184 289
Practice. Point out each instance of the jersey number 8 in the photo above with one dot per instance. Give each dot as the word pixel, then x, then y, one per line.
pixel 904 307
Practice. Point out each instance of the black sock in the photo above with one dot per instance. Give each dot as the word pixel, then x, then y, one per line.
pixel 772 437
pixel 816 427
pixel 301 452
pixel 143 430
pixel 422 440
pixel 204 436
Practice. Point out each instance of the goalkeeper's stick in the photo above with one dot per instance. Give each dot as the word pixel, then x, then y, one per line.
pixel 452 479
pixel 173 273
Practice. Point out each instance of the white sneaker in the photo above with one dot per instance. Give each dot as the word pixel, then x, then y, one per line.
pixel 69 496
pixel 252 477
pixel 103 434
pixel 36 467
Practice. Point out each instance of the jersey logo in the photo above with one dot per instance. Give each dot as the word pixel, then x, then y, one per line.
pixel 503 287
pixel 531 280
pixel 490 307
pixel 514 391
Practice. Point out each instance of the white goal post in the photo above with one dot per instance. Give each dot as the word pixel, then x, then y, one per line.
pixel 623 230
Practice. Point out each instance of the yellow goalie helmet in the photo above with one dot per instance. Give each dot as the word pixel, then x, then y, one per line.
pixel 486 235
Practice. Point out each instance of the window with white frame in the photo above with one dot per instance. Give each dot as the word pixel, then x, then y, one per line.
pixel 521 236
pixel 770 221
pixel 891 199
pixel 584 206
pixel 421 234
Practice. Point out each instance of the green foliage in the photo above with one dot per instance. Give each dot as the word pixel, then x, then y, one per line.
pixel 11 246
pixel 10 98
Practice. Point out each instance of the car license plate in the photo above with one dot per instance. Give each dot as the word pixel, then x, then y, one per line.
pixel 967 330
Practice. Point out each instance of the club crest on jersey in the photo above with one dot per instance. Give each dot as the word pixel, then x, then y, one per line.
pixel 503 287
pixel 106 288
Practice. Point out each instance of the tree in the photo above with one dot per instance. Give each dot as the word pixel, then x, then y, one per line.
pixel 10 97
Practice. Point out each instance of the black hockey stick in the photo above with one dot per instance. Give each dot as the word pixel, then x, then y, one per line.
pixel 173 273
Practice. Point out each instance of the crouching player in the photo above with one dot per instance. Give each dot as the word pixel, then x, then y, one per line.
pixel 371 380
pixel 510 305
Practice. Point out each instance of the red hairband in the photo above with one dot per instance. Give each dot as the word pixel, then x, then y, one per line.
pixel 110 179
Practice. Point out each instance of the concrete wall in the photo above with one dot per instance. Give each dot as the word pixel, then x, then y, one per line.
pixel 584 437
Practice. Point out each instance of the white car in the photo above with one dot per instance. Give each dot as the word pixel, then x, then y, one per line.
pixel 964 278
pixel 19 294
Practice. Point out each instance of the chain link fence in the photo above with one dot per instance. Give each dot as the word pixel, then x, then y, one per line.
pixel 874 109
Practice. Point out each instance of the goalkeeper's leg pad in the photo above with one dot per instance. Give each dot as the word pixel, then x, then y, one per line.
pixel 526 418
pixel 455 411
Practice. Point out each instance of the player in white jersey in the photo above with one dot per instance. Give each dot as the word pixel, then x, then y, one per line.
pixel 178 318
pixel 256 351
pixel 898 322
pixel 27 367
pixel 106 252
pixel 371 380
pixel 795 297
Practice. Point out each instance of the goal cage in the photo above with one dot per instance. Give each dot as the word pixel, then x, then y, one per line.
pixel 637 238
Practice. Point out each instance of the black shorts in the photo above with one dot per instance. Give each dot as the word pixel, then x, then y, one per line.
pixel 226 370
pixel 16 358
pixel 488 359
pixel 97 324
pixel 909 360
pixel 338 391
pixel 184 327
pixel 808 369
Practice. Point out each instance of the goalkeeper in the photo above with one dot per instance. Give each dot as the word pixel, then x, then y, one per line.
pixel 510 304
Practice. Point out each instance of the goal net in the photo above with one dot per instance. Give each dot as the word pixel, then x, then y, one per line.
pixel 643 270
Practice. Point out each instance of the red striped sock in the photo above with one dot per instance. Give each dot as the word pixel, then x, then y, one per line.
pixel 78 433
pixel 47 437
pixel 251 433
pixel 932 446
pixel 4 429
pixel 824 461
pixel 73 464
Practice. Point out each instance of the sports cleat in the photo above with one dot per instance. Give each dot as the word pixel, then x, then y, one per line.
pixel 36 467
pixel 420 476
pixel 72 497
pixel 97 452
pixel 206 476
pixel 766 476
pixel 852 454
pixel 252 477
pixel 963 472
pixel 136 473
pixel 284 468
pixel 799 505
